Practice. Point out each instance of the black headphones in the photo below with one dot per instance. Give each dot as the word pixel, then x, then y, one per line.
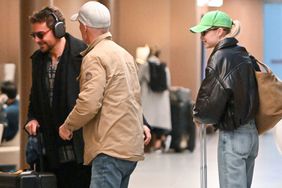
pixel 59 29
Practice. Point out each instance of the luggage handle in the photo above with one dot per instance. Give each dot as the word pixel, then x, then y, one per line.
pixel 203 165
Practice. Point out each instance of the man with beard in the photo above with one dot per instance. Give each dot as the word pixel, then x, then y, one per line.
pixel 55 67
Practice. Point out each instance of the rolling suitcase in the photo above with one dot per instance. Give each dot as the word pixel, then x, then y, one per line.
pixel 30 178
pixel 183 127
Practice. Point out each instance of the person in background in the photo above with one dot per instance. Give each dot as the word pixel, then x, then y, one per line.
pixel 109 103
pixel 228 99
pixel 55 67
pixel 10 111
pixel 156 104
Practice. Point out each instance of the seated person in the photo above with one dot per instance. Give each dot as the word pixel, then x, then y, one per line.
pixel 9 110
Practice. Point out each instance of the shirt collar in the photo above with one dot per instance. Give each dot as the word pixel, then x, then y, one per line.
pixel 106 35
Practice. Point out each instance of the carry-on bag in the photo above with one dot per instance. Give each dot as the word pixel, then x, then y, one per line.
pixel 183 127
pixel 30 178
pixel 270 103
pixel 27 179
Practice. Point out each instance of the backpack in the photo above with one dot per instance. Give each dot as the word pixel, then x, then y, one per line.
pixel 158 78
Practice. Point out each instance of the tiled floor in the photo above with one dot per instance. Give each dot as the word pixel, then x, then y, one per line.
pixel 173 170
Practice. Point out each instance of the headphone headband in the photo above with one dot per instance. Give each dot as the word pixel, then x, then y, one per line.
pixel 59 26
pixel 54 16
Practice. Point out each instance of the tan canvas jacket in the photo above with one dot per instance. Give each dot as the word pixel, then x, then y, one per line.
pixel 109 104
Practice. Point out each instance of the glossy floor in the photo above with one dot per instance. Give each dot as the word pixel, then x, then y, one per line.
pixel 172 170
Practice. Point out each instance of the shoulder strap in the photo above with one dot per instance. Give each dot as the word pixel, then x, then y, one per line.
pixel 263 67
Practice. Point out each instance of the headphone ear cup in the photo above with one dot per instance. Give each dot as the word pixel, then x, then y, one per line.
pixel 59 30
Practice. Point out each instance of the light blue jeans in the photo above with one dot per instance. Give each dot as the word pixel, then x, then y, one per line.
pixel 110 172
pixel 237 151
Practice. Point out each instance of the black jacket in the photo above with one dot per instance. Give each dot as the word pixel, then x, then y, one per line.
pixel 228 95
pixel 66 90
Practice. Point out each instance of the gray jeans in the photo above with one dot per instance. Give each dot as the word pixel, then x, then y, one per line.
pixel 110 172
pixel 237 151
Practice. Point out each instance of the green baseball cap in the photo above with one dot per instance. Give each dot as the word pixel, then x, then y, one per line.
pixel 212 19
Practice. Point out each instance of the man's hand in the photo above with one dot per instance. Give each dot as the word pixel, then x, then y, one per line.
pixel 32 126
pixel 65 133
pixel 147 135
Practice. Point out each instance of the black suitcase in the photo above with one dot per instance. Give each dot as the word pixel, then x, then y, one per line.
pixel 183 127
pixel 28 179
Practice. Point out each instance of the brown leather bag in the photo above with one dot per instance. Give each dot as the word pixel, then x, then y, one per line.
pixel 270 99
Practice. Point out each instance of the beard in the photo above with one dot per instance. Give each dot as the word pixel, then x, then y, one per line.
pixel 44 47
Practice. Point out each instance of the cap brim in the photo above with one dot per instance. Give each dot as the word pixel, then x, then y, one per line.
pixel 199 28
pixel 74 17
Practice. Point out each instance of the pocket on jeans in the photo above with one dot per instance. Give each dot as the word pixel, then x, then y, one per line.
pixel 242 143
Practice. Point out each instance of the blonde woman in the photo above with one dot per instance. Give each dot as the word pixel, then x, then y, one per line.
pixel 228 99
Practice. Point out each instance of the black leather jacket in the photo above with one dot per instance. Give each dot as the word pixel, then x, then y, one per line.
pixel 228 95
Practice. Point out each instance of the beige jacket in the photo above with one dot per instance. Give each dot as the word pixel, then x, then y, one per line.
pixel 109 104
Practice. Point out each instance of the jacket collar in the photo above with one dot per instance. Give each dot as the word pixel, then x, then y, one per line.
pixel 107 35
pixel 225 43
pixel 74 45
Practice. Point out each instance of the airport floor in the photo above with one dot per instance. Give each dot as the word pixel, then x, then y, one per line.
pixel 182 170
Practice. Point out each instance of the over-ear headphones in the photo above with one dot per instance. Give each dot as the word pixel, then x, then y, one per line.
pixel 59 26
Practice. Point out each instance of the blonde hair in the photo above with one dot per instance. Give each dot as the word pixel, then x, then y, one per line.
pixel 235 30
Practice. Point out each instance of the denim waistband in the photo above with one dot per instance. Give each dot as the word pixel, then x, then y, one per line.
pixel 251 125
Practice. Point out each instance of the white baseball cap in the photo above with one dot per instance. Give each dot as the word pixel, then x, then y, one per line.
pixel 93 14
